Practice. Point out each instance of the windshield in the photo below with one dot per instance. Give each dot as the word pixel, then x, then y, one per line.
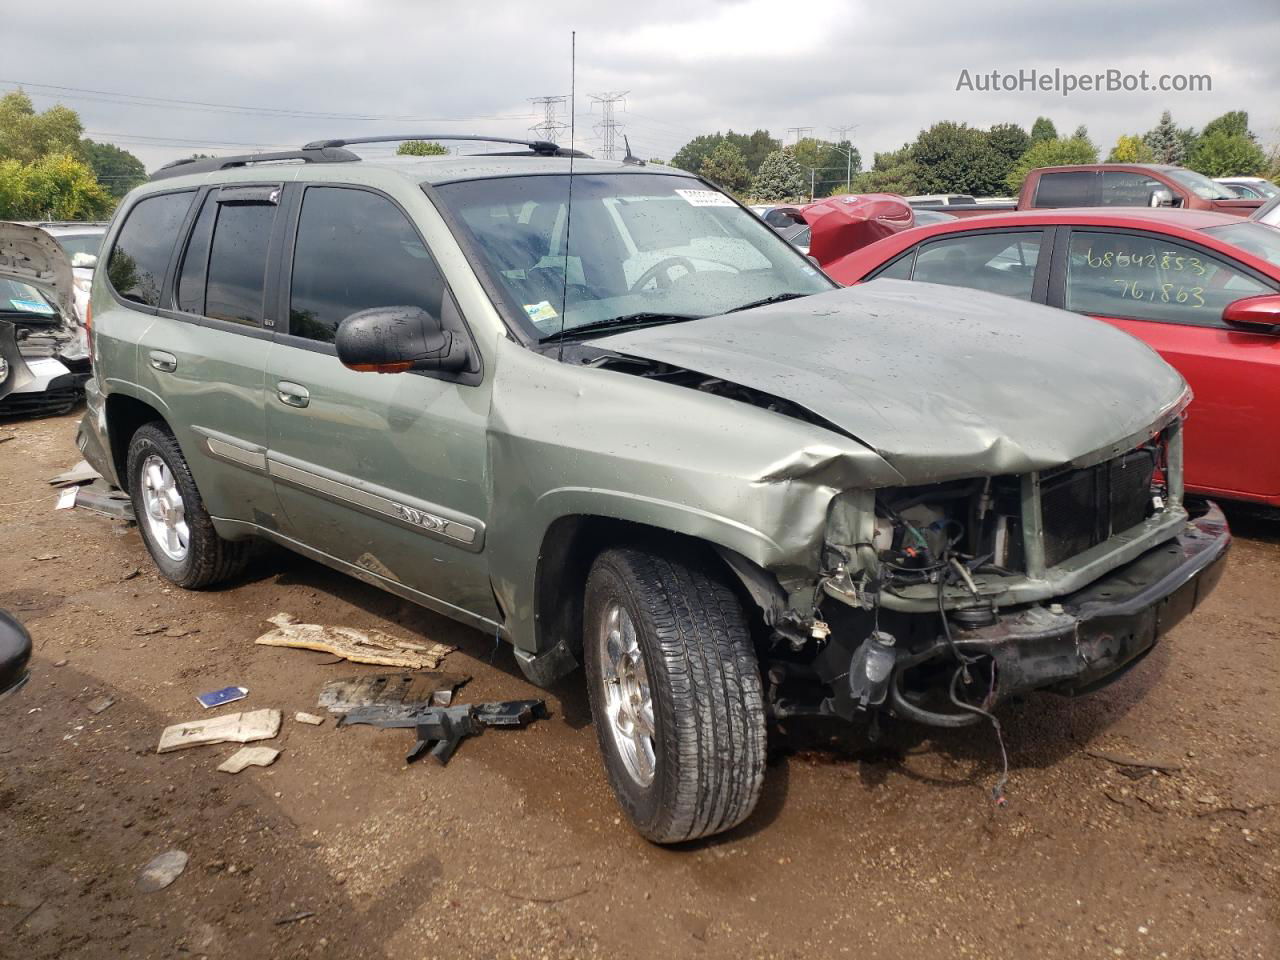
pixel 647 247
pixel 1261 241
pixel 18 298
pixel 1201 186
pixel 83 243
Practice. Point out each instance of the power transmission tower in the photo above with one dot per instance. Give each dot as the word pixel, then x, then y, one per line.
pixel 608 127
pixel 843 134
pixel 800 132
pixel 551 126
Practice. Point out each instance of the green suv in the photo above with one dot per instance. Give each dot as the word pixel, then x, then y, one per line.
pixel 602 410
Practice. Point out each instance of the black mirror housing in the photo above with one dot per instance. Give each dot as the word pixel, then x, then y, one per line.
pixel 398 339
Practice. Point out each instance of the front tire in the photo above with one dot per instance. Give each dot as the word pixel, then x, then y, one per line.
pixel 175 526
pixel 675 694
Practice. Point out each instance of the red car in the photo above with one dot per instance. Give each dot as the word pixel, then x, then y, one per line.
pixel 1198 286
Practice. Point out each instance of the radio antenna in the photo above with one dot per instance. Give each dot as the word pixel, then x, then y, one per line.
pixel 568 214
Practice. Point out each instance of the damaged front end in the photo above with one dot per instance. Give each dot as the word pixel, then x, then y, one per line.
pixel 44 353
pixel 937 602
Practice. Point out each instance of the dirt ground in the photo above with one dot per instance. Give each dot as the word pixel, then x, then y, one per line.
pixel 517 849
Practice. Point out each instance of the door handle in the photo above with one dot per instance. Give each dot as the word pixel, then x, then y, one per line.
pixel 292 394
pixel 164 362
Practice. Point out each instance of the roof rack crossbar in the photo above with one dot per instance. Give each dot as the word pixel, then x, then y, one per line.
pixel 543 147
pixel 308 154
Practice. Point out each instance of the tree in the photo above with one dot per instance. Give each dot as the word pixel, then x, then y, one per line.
pixel 54 187
pixel 833 163
pixel 1043 129
pixel 957 158
pixel 1224 154
pixel 1233 123
pixel 421 148
pixel 119 171
pixel 754 147
pixel 780 179
pixel 1167 143
pixel 1051 153
pixel 726 168
pixel 1009 140
pixel 891 172
pixel 1130 148
pixel 26 136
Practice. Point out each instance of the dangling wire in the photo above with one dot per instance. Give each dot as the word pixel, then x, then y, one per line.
pixel 997 792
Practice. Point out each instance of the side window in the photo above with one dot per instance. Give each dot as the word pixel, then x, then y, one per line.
pixel 356 250
pixel 900 269
pixel 195 261
pixel 238 262
pixel 1066 189
pixel 1121 189
pixel 141 252
pixel 1002 262
pixel 1148 278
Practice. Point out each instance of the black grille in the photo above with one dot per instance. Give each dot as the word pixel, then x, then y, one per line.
pixel 1082 508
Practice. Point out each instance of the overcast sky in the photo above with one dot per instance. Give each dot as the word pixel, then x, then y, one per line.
pixel 382 66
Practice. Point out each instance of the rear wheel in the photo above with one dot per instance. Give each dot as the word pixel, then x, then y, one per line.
pixel 174 524
pixel 675 694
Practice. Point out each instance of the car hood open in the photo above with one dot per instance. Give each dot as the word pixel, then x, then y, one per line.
pixel 942 382
pixel 30 255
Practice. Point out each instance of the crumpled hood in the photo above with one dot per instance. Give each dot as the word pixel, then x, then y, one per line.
pixel 30 255
pixel 942 382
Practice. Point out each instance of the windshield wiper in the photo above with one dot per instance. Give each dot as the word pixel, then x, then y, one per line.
pixel 776 298
pixel 645 319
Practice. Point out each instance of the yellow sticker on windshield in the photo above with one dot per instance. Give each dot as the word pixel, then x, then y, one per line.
pixel 540 311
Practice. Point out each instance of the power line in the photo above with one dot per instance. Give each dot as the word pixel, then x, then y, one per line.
pixel 608 127
pixel 170 103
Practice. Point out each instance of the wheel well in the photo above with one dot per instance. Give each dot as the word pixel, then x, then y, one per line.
pixel 125 415
pixel 570 546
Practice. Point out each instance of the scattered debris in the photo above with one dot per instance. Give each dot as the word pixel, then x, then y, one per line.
pixel 80 473
pixel 1129 762
pixel 294 917
pixel 441 729
pixel 232 728
pixel 308 718
pixel 405 692
pixel 177 633
pixel 218 697
pixel 46 556
pixel 249 757
pixel 358 646
pixel 60 663
pixel 100 705
pixel 151 630
pixel 135 572
pixel 106 500
pixel 7 437
pixel 67 498
pixel 162 871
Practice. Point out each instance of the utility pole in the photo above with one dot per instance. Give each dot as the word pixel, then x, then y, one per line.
pixel 608 127
pixel 843 134
pixel 551 126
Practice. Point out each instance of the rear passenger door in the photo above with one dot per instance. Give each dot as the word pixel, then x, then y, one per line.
pixel 384 472
pixel 205 354
pixel 1171 295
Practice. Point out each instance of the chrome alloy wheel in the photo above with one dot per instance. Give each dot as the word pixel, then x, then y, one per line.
pixel 628 704
pixel 166 517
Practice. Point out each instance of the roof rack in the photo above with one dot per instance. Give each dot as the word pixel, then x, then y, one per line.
pixel 311 153
pixel 543 148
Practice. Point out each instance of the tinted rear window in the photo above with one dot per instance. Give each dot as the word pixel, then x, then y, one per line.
pixel 141 252
pixel 238 262
pixel 1066 189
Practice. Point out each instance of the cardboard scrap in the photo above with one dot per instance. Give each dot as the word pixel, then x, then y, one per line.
pixel 249 757
pixel 358 646
pixel 80 473
pixel 231 728
pixel 308 718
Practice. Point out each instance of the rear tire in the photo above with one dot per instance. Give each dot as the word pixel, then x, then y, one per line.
pixel 675 693
pixel 174 524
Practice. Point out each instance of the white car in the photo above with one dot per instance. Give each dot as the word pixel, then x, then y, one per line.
pixel 81 240
pixel 44 347
pixel 1250 188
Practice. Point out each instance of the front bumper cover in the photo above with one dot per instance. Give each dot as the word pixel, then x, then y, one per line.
pixel 1089 638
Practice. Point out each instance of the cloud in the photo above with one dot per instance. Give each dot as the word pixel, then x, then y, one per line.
pixel 889 68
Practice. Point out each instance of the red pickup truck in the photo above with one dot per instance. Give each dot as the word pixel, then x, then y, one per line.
pixel 1116 185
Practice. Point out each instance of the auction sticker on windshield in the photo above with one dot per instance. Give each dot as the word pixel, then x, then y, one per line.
pixel 542 310
pixel 31 306
pixel 705 198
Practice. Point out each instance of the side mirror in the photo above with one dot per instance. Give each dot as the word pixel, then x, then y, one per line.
pixel 397 339
pixel 1161 198
pixel 1257 314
